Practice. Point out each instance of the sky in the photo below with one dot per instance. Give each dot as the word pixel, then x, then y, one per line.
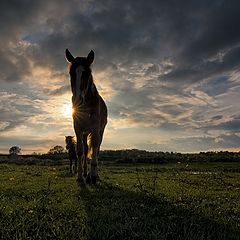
pixel 168 71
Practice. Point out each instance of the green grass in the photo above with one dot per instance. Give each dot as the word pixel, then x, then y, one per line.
pixel 171 201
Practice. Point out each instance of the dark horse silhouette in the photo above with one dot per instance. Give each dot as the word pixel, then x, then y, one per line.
pixel 89 115
pixel 71 148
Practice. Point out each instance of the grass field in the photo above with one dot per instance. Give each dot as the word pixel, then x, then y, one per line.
pixel 169 201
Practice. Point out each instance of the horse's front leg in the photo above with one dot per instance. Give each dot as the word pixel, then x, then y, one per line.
pixel 80 157
pixel 70 159
pixel 85 149
pixel 95 141
pixel 75 165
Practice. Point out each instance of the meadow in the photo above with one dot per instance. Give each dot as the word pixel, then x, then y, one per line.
pixel 166 201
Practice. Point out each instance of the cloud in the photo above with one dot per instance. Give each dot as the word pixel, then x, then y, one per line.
pixel 233 125
pixel 61 90
pixel 216 29
pixel 16 109
pixel 163 65
pixel 208 143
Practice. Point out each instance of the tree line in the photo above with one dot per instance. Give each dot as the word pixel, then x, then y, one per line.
pixel 140 156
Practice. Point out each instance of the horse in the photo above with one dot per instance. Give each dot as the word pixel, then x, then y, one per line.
pixel 89 115
pixel 71 148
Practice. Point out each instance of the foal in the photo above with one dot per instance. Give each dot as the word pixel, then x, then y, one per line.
pixel 89 115
pixel 71 148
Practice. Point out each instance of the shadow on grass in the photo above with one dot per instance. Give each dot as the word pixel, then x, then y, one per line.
pixel 115 213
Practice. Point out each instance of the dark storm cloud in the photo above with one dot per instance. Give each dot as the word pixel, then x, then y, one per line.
pixel 188 34
pixel 16 20
pixel 113 29
pixel 16 16
pixel 128 32
pixel 205 70
pixel 219 22
pixel 125 32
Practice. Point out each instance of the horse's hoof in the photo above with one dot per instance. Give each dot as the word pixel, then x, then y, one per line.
pixel 94 179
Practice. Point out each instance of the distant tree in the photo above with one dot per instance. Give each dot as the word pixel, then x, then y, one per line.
pixel 36 153
pixel 14 150
pixel 56 150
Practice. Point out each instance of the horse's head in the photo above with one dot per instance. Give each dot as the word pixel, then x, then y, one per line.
pixel 80 74
pixel 69 141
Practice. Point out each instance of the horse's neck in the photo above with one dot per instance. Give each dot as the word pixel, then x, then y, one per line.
pixel 91 94
pixel 91 98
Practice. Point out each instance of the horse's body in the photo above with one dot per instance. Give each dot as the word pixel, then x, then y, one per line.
pixel 72 155
pixel 89 115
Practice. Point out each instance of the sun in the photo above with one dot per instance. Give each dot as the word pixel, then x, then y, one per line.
pixel 67 110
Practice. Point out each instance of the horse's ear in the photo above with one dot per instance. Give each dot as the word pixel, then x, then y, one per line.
pixel 69 56
pixel 90 57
